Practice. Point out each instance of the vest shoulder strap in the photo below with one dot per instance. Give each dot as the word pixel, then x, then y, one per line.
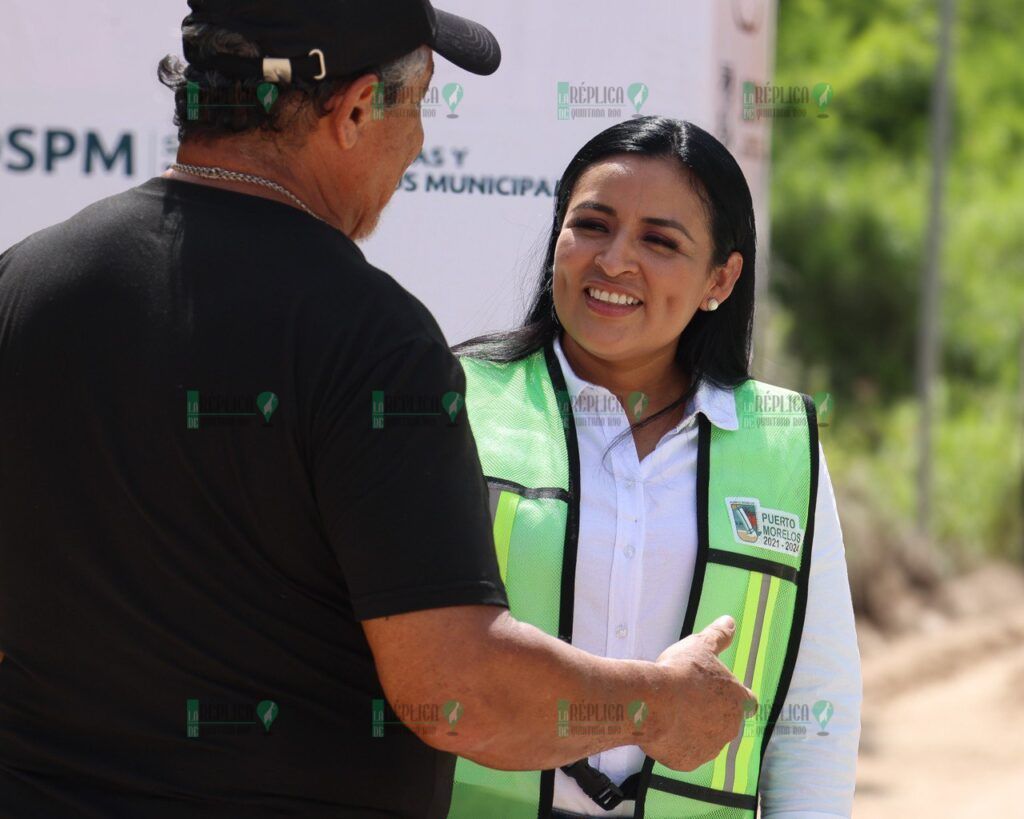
pixel 525 422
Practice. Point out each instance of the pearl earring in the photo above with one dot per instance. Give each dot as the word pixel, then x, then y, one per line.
pixel 712 304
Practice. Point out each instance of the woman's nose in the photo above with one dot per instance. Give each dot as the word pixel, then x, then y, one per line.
pixel 617 257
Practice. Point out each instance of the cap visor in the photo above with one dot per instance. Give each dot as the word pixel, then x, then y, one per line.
pixel 467 44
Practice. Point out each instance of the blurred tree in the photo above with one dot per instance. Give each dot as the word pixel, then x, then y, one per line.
pixel 848 204
pixel 849 192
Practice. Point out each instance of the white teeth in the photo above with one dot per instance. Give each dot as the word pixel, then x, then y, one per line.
pixel 612 298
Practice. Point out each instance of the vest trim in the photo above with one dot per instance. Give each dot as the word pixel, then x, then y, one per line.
pixel 703 488
pixel 753 564
pixel 541 493
pixel 799 613
pixel 572 533
pixel 572 521
pixel 716 797
pixel 547 794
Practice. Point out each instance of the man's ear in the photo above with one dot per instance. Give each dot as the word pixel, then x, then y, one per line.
pixel 351 109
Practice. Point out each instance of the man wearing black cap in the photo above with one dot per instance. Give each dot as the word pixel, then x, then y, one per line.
pixel 239 509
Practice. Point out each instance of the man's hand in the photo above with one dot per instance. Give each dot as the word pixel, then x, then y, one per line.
pixel 707 704
pixel 510 679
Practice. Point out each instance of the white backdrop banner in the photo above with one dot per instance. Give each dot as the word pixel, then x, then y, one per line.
pixel 82 116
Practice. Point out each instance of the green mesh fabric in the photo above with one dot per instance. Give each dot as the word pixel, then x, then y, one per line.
pixel 515 416
pixel 661 805
pixel 534 581
pixel 513 411
pixel 482 793
pixel 766 459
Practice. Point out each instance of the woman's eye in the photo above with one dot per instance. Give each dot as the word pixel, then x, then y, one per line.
pixel 587 224
pixel 661 240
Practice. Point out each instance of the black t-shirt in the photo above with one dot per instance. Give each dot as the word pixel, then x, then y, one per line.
pixel 225 440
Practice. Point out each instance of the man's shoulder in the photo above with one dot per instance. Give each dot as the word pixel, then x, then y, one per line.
pixel 366 297
pixel 103 217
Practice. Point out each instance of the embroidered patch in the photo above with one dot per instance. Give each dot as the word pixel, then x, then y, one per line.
pixel 754 525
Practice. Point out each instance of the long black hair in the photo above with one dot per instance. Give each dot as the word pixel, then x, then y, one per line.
pixel 714 346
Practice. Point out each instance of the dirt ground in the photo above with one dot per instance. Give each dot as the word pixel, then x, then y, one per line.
pixel 943 718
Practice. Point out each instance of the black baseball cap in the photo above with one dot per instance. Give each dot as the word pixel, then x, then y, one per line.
pixel 326 39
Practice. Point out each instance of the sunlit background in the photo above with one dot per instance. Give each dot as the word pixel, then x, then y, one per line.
pixel 893 275
pixel 859 261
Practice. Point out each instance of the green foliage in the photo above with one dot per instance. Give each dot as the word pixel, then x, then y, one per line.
pixel 849 204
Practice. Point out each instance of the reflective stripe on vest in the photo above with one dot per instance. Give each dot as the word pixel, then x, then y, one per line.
pixel 755 519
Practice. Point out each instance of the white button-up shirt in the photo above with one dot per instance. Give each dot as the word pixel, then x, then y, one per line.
pixel 634 567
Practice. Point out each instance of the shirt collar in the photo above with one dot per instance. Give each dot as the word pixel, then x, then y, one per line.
pixel 717 404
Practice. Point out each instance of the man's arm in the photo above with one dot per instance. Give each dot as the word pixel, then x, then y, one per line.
pixel 405 509
pixel 509 677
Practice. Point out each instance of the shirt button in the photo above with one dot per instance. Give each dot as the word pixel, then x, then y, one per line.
pixel 621 632
pixel 629 550
pixel 630 484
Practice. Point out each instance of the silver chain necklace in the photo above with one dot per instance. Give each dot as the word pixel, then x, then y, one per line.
pixel 236 176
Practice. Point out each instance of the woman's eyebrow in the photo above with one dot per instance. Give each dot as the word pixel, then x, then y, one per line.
pixel 592 204
pixel 672 223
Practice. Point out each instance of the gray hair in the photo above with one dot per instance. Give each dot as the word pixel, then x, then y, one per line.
pixel 228 106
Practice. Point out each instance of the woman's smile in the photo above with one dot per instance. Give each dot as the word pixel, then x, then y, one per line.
pixel 610 301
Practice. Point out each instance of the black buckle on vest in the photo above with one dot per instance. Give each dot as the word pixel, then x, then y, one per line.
pixel 599 787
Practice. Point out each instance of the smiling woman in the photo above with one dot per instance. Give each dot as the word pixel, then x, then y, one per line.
pixel 686 228
pixel 640 479
pixel 625 252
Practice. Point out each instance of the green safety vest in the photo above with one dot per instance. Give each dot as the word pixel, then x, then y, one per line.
pixel 756 488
